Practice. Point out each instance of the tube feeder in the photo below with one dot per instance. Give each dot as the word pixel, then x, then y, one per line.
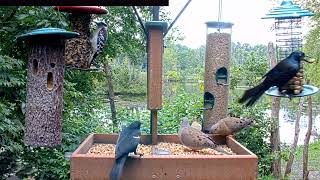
pixel 45 85
pixel 79 50
pixel 288 30
pixel 217 73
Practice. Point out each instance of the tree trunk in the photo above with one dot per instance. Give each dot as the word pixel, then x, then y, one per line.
pixel 295 139
pixel 275 135
pixel 108 71
pixel 306 140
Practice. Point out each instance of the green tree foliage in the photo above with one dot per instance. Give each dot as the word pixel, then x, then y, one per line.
pixel 312 45
pixel 12 81
pixel 183 63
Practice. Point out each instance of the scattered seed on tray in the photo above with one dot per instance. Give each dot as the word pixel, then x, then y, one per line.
pixel 173 148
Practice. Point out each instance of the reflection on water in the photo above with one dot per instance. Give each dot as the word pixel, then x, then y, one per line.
pixel 287 125
pixel 287 115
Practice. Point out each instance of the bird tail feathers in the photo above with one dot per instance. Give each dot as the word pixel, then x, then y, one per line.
pixel 117 168
pixel 253 94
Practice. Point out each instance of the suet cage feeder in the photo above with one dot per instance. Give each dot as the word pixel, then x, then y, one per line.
pixel 288 31
pixel 45 85
pixel 217 72
pixel 79 50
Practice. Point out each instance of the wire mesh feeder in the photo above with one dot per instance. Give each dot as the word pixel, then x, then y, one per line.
pixel 288 36
pixel 288 31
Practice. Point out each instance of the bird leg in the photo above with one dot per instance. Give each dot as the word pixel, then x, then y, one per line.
pixel 136 153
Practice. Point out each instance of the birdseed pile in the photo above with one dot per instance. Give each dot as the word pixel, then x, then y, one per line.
pixel 295 85
pixel 78 50
pixel 218 56
pixel 175 149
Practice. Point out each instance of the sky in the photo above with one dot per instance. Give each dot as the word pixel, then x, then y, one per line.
pixel 245 14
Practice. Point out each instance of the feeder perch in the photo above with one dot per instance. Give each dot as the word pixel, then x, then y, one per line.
pixel 45 85
pixel 217 65
pixel 79 50
pixel 155 31
pixel 288 31
pixel 307 91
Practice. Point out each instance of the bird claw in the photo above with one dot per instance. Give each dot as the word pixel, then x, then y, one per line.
pixel 137 155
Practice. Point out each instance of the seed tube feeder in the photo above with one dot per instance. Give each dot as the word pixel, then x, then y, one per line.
pixel 288 30
pixel 45 85
pixel 217 65
pixel 78 50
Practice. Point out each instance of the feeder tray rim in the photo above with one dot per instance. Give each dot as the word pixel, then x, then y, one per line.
pixel 308 90
pixel 82 9
pixel 50 32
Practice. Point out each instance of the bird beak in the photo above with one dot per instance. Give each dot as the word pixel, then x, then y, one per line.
pixel 309 59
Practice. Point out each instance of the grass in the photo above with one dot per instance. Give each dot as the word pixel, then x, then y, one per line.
pixel 313 163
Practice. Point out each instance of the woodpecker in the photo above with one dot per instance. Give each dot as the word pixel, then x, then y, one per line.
pixel 98 40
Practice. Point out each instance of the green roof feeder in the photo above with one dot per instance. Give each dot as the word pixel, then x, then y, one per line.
pixel 45 85
pixel 288 31
pixel 288 28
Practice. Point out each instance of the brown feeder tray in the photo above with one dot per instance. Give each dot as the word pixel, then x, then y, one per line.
pixel 82 9
pixel 244 165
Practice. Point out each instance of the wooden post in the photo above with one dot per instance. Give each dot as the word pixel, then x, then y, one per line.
pixel 155 30
pixel 275 135
pixel 296 138
pixel 45 86
pixel 307 139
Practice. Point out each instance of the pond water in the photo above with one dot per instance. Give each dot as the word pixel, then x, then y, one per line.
pixel 287 114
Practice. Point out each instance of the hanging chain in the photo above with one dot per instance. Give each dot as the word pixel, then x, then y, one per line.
pixel 220 11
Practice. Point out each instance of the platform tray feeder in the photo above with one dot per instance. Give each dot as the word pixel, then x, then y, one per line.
pixel 45 85
pixel 78 50
pixel 288 30
pixel 244 165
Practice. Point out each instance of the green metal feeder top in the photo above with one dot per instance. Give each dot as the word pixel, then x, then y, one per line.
pixel 287 10
pixel 161 25
pixel 50 32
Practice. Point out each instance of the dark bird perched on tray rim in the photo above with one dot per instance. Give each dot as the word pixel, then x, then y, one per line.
pixel 127 142
pixel 277 76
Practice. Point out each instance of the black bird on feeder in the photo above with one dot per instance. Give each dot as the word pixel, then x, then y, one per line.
pixel 127 142
pixel 98 40
pixel 277 76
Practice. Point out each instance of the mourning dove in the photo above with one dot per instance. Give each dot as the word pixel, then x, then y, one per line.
pixel 196 125
pixel 229 125
pixel 195 139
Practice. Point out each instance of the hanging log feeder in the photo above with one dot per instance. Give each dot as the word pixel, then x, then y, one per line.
pixel 45 85
pixel 79 50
